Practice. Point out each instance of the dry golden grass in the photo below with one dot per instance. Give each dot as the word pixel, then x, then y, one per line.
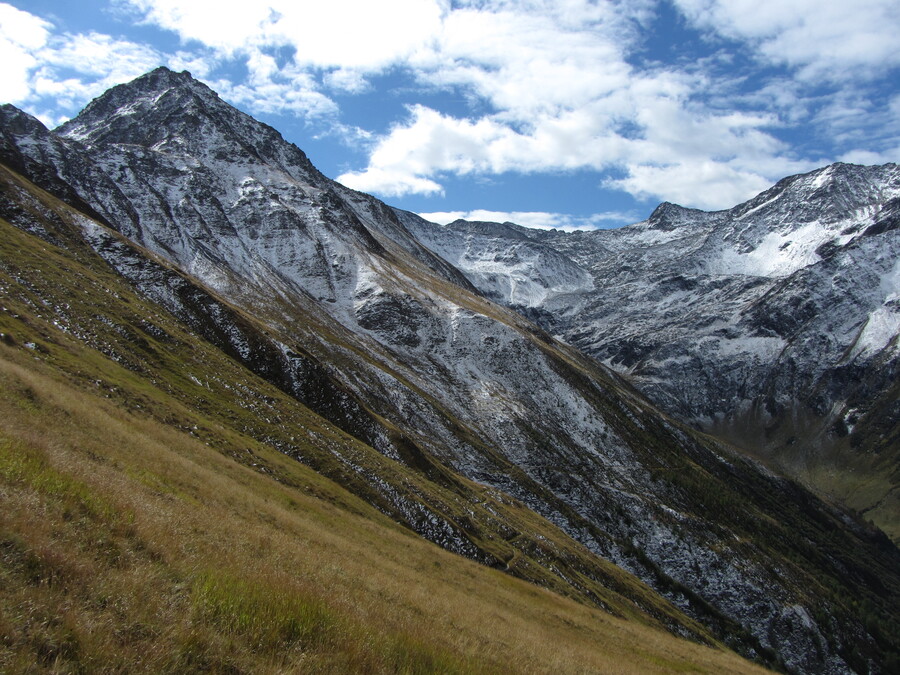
pixel 130 546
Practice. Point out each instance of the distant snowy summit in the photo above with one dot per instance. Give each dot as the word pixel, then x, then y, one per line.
pixel 774 323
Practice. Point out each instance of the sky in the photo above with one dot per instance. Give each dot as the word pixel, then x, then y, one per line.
pixel 573 114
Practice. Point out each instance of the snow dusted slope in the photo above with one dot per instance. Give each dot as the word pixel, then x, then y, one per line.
pixel 502 260
pixel 774 323
pixel 449 383
pixel 772 310
pixel 218 176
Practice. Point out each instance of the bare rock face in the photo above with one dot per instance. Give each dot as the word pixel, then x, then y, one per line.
pixel 774 324
pixel 361 303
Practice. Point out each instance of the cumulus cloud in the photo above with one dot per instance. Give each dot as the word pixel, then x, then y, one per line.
pixel 666 147
pixel 274 90
pixel 341 33
pixel 555 76
pixel 541 220
pixel 703 184
pixel 21 35
pixel 390 182
pixel 869 157
pixel 58 73
pixel 553 85
pixel 347 80
pixel 834 40
pixel 341 42
pixel 528 58
pixel 100 62
pixel 563 96
pixel 199 65
pixel 224 26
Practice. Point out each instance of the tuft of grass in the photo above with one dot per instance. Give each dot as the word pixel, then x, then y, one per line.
pixel 20 463
pixel 268 617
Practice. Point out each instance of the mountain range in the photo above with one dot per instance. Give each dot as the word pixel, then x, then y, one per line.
pixel 581 411
pixel 773 325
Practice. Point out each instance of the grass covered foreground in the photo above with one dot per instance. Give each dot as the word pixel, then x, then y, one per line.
pixel 127 545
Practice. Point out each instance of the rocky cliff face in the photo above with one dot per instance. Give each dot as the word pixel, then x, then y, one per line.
pixel 390 342
pixel 504 261
pixel 774 324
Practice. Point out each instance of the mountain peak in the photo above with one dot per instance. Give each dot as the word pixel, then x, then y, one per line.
pixel 163 79
pixel 137 112
pixel 668 216
pixel 489 228
pixel 168 73
pixel 823 194
pixel 173 113
pixel 19 122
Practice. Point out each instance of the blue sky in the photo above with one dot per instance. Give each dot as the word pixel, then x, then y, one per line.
pixel 565 113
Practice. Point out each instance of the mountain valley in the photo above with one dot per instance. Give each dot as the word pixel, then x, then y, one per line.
pixel 773 325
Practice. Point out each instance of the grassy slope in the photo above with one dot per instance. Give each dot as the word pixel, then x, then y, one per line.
pixel 129 544
pixel 144 527
pixel 864 469
pixel 861 471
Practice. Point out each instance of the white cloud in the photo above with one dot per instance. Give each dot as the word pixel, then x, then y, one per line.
pixel 348 134
pixel 554 74
pixel 347 80
pixel 832 40
pixel 541 220
pixel 224 26
pixel 869 157
pixel 100 62
pixel 199 65
pixel 665 132
pixel 341 33
pixel 21 34
pixel 564 97
pixel 356 33
pixel 529 60
pixel 277 90
pixel 58 73
pixel 444 217
pixel 553 81
pixel 389 182
pixel 344 39
pixel 702 184
pixel 62 72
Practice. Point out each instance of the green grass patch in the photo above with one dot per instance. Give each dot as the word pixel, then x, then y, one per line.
pixel 26 465
pixel 411 656
pixel 266 615
pixel 272 616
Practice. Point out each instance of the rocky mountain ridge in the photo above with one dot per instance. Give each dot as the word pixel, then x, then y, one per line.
pixel 350 313
pixel 773 324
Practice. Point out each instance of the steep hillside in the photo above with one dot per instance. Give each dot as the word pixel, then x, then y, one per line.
pixel 461 411
pixel 117 414
pixel 773 324
pixel 151 521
